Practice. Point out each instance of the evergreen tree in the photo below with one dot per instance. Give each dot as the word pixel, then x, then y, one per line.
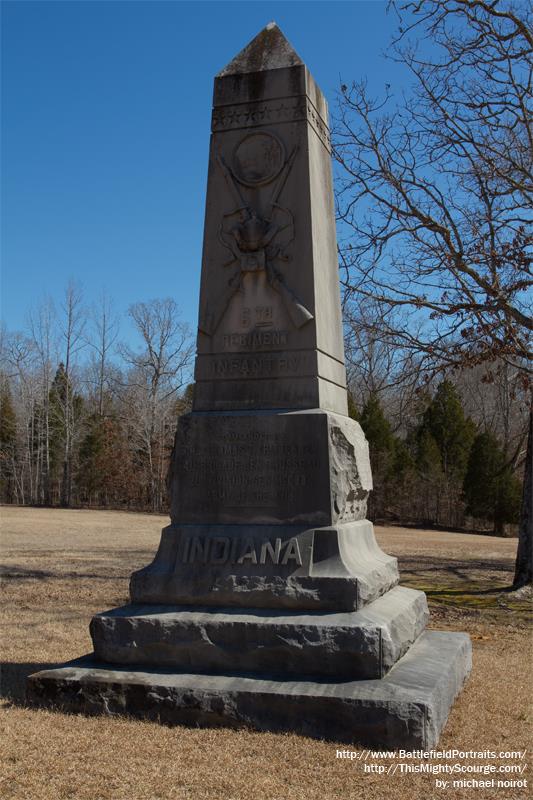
pixel 403 465
pixel 8 443
pixel 8 419
pixel 453 433
pixel 377 429
pixel 381 446
pixel 105 475
pixel 352 408
pixel 402 481
pixel 90 477
pixel 427 455
pixel 429 476
pixel 442 445
pixel 57 401
pixel 65 411
pixel 491 491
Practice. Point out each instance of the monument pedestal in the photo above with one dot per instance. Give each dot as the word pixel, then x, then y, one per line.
pixel 269 602
pixel 339 568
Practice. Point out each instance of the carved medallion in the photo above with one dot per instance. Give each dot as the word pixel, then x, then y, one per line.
pixel 258 159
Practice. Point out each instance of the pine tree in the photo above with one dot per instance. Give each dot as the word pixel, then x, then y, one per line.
pixel 377 428
pixel 8 443
pixel 491 491
pixel 444 439
pixel 401 481
pixel 427 459
pixel 90 477
pixel 105 475
pixel 65 411
pixel 381 446
pixel 453 433
pixel 427 455
pixel 352 408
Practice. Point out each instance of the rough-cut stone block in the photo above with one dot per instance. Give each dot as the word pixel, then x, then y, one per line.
pixel 408 708
pixel 267 566
pixel 279 468
pixel 359 644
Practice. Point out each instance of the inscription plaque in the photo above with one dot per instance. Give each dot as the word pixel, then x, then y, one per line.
pixel 249 468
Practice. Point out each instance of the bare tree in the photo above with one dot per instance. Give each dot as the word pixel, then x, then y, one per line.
pixel 376 366
pixel 102 339
pixel 435 190
pixel 42 334
pixel 158 370
pixel 18 362
pixel 72 324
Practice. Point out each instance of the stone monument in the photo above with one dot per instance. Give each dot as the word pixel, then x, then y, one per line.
pixel 269 602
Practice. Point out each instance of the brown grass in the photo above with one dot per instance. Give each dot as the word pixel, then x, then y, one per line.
pixel 62 566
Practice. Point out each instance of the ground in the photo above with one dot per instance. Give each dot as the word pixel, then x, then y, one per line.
pixel 60 567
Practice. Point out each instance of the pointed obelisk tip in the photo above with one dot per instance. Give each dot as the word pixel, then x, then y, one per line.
pixel 268 50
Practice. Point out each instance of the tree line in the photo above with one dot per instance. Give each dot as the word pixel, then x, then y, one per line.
pixel 444 468
pixel 88 421
pixel 85 419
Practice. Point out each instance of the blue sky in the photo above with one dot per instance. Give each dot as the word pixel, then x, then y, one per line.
pixel 105 131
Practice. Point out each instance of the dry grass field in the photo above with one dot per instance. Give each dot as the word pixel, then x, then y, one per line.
pixel 60 567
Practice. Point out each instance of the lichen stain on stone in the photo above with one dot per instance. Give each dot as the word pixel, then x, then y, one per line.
pixel 268 50
pixel 349 496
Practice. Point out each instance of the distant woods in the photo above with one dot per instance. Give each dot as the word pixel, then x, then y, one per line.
pixel 85 419
pixel 447 454
pixel 433 193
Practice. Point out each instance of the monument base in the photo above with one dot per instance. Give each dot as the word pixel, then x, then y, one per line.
pixel 337 568
pixel 407 708
pixel 342 646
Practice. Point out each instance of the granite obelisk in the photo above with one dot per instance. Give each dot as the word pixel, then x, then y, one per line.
pixel 269 602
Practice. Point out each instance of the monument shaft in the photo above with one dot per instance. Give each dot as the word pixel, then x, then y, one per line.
pixel 270 330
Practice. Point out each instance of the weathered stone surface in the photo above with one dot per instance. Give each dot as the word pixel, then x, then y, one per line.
pixel 269 50
pixel 268 511
pixel 270 329
pixel 408 708
pixel 301 468
pixel 360 644
pixel 269 477
pixel 267 566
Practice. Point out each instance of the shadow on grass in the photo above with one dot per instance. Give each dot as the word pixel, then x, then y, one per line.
pixel 448 564
pixel 13 679
pixel 467 591
pixel 16 573
pixel 459 571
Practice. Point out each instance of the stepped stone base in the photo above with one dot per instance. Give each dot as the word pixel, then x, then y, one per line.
pixel 358 644
pixel 407 708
